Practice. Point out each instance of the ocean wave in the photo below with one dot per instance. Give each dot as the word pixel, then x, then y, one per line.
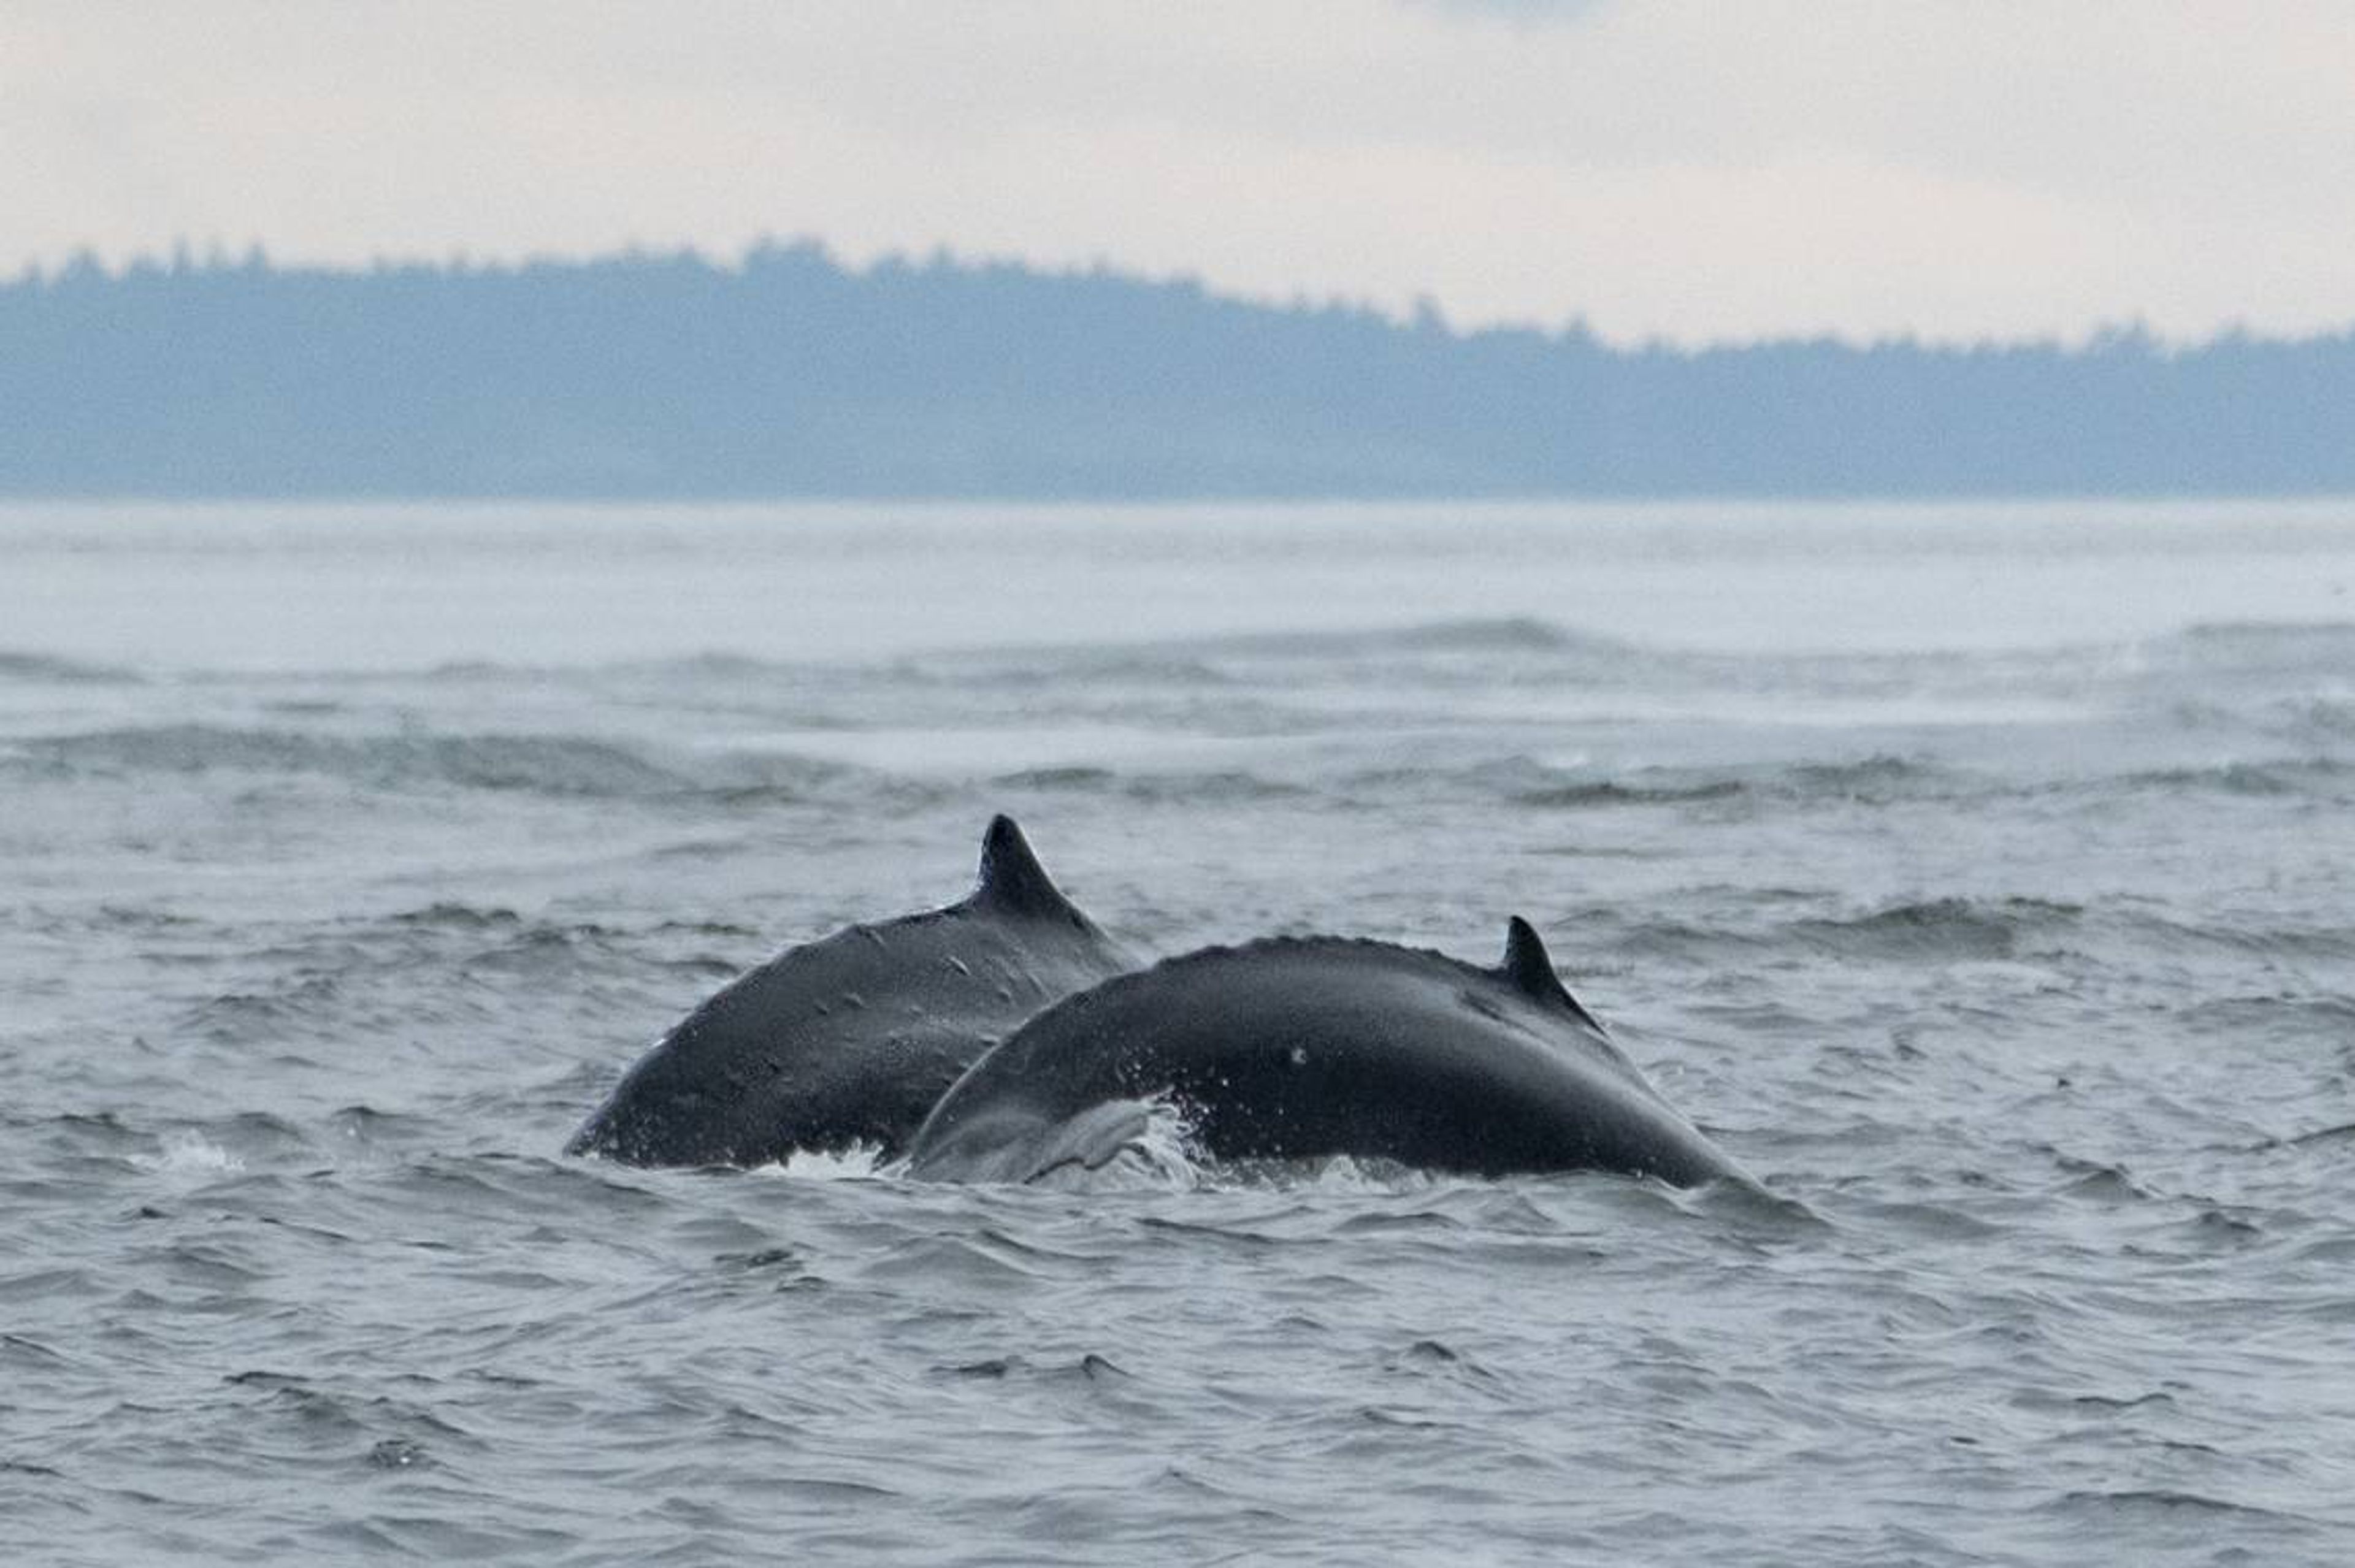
pixel 454 916
pixel 2322 777
pixel 551 765
pixel 2329 715
pixel 1612 792
pixel 561 764
pixel 466 920
pixel 1870 780
pixel 1509 634
pixel 2262 633
pixel 2241 648
pixel 1941 928
pixel 418 983
pixel 1122 667
pixel 2263 940
pixel 2344 1133
pixel 2324 1021
pixel 1219 785
pixel 1082 779
pixel 1182 661
pixel 2130 1503
pixel 1223 667
pixel 51 669
pixel 1875 778
pixel 296 1009
pixel 2321 717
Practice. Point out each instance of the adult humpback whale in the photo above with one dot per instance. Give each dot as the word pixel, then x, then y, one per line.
pixel 1315 1046
pixel 850 1040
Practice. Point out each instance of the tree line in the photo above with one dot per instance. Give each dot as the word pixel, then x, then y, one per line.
pixel 791 374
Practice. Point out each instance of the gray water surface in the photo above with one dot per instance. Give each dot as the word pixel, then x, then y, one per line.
pixel 1983 879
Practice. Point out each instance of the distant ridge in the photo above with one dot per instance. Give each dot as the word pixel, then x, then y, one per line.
pixel 791 375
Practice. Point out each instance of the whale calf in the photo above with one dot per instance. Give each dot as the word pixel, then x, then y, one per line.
pixel 1306 1047
pixel 850 1041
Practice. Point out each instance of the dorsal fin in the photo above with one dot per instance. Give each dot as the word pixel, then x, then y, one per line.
pixel 1011 878
pixel 1530 971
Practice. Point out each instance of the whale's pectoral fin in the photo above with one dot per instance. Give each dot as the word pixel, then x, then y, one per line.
pixel 1531 970
pixel 1092 1139
pixel 1023 1146
pixel 1012 880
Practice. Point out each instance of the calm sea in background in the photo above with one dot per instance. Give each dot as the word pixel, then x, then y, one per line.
pixel 1983 877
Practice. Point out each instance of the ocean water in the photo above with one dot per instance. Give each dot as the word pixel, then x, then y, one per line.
pixel 1982 878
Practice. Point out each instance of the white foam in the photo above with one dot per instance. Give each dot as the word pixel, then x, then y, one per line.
pixel 854 1164
pixel 188 1152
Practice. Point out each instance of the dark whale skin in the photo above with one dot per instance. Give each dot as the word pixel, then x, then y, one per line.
pixel 847 1042
pixel 1301 1047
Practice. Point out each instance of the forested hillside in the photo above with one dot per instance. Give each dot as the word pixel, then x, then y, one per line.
pixel 790 374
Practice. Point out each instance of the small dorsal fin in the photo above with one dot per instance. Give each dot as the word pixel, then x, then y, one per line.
pixel 1531 970
pixel 1011 878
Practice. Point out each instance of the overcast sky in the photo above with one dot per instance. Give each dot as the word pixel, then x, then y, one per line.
pixel 1694 169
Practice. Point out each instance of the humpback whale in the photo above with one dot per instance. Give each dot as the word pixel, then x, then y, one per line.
pixel 850 1040
pixel 1306 1047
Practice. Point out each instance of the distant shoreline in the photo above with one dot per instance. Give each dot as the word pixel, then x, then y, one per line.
pixel 2326 505
pixel 644 379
